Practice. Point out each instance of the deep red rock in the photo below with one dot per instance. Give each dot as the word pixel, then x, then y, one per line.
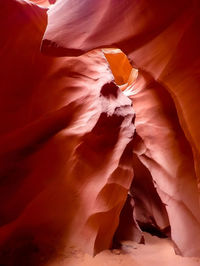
pixel 161 40
pixel 68 131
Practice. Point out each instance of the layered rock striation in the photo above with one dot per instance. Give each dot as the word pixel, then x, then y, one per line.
pixel 97 148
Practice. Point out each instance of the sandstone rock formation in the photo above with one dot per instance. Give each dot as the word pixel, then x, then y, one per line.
pixel 66 146
pixel 96 148
pixel 167 61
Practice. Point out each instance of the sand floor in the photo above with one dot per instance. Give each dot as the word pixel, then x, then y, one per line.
pixel 156 252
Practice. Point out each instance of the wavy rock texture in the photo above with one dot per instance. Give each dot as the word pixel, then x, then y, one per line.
pixel 66 145
pixel 83 165
pixel 165 51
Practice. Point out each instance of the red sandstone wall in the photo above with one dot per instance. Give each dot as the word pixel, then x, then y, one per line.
pixel 68 132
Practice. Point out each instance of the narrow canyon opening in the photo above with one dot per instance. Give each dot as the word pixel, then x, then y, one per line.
pixel 143 210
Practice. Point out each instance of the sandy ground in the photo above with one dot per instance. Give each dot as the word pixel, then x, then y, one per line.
pixel 156 252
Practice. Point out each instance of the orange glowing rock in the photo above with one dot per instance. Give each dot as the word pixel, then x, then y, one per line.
pixel 43 3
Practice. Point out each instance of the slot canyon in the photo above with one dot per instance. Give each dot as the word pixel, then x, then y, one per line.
pixel 100 133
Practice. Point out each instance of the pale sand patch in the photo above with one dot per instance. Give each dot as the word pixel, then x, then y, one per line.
pixel 156 252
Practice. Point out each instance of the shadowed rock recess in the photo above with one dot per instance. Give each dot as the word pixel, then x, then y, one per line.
pixel 99 136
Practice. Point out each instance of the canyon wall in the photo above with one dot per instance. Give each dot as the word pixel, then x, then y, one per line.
pixel 161 41
pixel 95 148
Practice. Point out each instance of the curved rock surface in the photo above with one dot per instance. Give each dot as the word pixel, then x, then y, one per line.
pixel 165 51
pixel 66 145
pixel 92 150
